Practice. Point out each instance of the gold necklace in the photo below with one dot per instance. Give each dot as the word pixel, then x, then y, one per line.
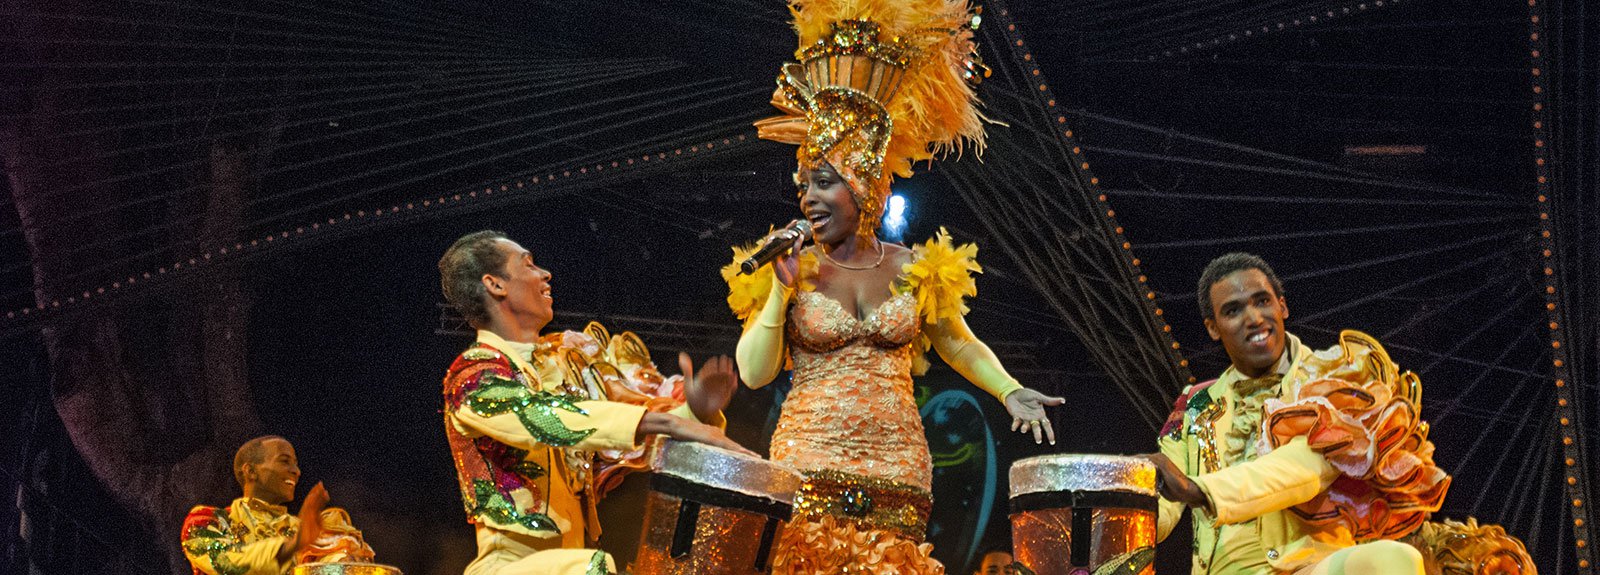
pixel 873 266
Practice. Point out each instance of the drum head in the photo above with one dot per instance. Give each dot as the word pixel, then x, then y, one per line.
pixel 1083 473
pixel 344 569
pixel 718 468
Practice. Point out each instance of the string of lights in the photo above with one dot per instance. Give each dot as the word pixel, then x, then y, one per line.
pixel 296 237
pixel 1281 24
pixel 1141 357
pixel 1572 444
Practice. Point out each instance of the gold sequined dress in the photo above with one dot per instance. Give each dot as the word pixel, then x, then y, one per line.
pixel 850 421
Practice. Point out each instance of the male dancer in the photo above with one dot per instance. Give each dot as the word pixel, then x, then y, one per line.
pixel 1249 506
pixel 256 535
pixel 524 423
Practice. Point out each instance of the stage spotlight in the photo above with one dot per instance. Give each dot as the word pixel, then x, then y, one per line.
pixel 894 221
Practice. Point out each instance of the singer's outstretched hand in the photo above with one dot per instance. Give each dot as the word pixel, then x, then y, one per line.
pixel 1026 407
pixel 787 266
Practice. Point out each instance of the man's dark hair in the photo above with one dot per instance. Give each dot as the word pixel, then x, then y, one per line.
pixel 1226 264
pixel 461 273
pixel 253 452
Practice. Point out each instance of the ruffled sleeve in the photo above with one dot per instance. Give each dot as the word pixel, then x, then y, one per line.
pixel 1353 405
pixel 1455 547
pixel 340 541
pixel 940 275
pixel 620 368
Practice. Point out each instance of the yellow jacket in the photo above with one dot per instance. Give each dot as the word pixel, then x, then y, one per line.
pixel 244 539
pixel 1249 528
pixel 521 449
pixel 524 432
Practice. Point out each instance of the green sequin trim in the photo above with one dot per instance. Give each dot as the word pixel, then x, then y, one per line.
pixel 213 543
pixel 597 564
pixel 1200 400
pixel 497 395
pixel 480 354
pixel 523 467
pixel 496 507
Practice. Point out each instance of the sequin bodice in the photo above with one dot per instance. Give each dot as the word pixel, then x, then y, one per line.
pixel 852 408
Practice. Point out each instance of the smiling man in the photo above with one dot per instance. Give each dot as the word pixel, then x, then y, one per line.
pixel 256 535
pixel 1247 500
pixel 530 416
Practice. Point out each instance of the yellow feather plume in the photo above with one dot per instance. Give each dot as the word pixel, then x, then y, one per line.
pixel 935 109
pixel 747 293
pixel 941 275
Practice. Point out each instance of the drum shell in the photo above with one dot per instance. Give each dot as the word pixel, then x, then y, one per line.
pixel 713 512
pixel 725 540
pixel 1074 514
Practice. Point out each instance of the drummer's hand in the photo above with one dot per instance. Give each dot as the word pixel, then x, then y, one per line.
pixel 1174 485
pixel 709 389
pixel 1026 407
pixel 698 432
pixel 787 266
pixel 685 430
pixel 310 523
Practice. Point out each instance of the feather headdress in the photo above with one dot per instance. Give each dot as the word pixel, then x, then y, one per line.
pixel 879 86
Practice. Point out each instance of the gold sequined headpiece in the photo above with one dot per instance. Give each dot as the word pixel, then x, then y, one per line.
pixel 880 85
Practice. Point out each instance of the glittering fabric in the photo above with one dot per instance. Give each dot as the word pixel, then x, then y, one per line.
pixel 1454 548
pixel 209 535
pixel 497 394
pixel 490 472
pixel 851 417
pixel 597 564
pixel 550 490
pixel 868 502
pixel 489 502
pixel 830 545
pixel 719 468
pixel 1119 539
pixel 1083 472
pixel 852 407
pixel 1204 430
pixel 726 541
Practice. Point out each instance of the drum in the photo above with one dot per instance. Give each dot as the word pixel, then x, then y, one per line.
pixel 344 569
pixel 713 511
pixel 1081 514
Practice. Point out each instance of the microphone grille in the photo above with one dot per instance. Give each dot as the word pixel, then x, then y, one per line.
pixel 804 227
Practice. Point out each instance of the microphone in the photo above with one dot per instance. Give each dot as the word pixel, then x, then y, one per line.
pixel 776 244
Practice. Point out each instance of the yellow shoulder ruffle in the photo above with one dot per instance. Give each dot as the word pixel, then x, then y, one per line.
pixel 941 275
pixel 747 293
